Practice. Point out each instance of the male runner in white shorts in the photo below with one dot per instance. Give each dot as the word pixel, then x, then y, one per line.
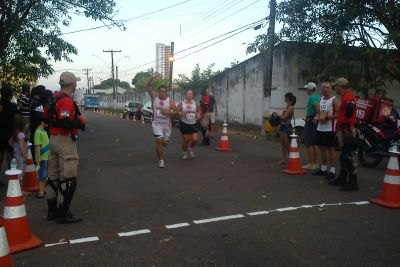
pixel 163 109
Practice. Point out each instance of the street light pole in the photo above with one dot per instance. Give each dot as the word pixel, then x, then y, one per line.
pixel 171 68
pixel 112 72
pixel 88 80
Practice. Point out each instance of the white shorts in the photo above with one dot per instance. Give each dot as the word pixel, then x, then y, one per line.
pixel 207 118
pixel 162 130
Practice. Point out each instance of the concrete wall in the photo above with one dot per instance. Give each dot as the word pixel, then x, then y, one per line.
pixel 239 90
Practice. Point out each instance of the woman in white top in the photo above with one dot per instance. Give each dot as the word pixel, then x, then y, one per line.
pixel 189 113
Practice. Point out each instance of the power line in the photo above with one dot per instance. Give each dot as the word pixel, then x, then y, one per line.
pixel 201 49
pixel 130 19
pixel 209 40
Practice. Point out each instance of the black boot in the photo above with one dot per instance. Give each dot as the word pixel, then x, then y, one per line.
pixel 352 185
pixel 340 180
pixel 52 211
pixel 65 216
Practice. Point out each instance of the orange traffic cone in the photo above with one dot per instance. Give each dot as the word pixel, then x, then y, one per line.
pixel 294 163
pixel 15 220
pixel 224 142
pixel 30 182
pixel 390 191
pixel 5 258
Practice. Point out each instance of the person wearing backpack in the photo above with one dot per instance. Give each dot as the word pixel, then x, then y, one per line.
pixel 64 119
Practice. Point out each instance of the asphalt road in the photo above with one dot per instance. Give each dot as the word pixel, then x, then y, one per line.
pixel 121 191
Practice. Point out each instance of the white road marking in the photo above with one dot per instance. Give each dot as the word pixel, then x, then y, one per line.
pixel 84 240
pixel 255 213
pixel 209 220
pixel 132 233
pixel 55 244
pixel 177 225
pixel 217 219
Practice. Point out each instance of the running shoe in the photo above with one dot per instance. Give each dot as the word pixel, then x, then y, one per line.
pixel 191 154
pixel 184 155
pixel 161 164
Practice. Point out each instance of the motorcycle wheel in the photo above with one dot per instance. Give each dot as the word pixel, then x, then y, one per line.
pixel 368 161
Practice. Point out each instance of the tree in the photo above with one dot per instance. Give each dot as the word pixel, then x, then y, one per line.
pixel 198 80
pixel 142 78
pixel 106 84
pixel 31 37
pixel 373 25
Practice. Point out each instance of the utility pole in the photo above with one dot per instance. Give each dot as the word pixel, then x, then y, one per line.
pixel 171 68
pixel 88 80
pixel 270 50
pixel 116 78
pixel 112 72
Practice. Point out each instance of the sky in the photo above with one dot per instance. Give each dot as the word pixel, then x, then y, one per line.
pixel 188 23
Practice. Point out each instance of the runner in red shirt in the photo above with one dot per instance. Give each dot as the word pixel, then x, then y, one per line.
pixel 346 134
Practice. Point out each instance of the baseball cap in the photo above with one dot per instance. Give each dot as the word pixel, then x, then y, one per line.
pixel 310 86
pixel 68 78
pixel 341 82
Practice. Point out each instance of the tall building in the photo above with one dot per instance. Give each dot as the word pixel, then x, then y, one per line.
pixel 162 59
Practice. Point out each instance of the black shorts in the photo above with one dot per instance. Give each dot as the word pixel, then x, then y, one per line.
pixel 310 134
pixel 326 139
pixel 189 128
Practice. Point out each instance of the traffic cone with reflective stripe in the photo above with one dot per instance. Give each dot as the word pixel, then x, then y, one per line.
pixel 390 191
pixel 294 162
pixel 15 220
pixel 224 142
pixel 30 181
pixel 5 258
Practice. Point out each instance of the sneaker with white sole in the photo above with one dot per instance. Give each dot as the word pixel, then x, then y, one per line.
pixel 161 164
pixel 308 166
pixel 191 154
pixel 184 155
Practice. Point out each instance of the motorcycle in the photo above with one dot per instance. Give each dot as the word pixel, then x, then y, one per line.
pixel 376 140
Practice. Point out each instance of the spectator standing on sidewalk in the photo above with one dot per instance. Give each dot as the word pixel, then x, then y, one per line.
pixel 8 113
pixel 285 129
pixel 310 127
pixel 326 131
pixel 23 101
pixel 346 133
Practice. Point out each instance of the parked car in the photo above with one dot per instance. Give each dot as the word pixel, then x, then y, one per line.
pixel 148 113
pixel 133 109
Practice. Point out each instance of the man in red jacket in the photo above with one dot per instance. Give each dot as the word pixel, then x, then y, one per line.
pixel 346 134
pixel 64 120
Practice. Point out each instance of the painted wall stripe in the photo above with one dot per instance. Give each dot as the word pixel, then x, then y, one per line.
pixel 217 219
pixel 177 225
pixel 132 233
pixel 84 240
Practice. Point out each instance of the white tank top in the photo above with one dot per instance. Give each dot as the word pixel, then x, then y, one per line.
pixel 190 109
pixel 326 105
pixel 158 106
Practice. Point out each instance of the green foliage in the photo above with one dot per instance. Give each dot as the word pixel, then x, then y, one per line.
pixel 198 80
pixel 142 78
pixel 107 84
pixel 374 25
pixel 31 37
